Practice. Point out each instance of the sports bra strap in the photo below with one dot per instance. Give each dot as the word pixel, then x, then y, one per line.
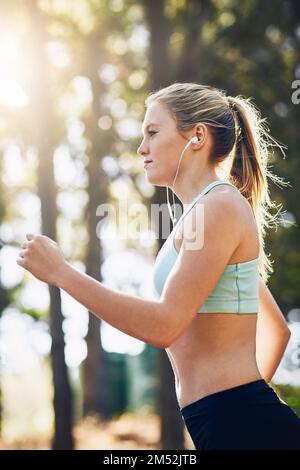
pixel 204 191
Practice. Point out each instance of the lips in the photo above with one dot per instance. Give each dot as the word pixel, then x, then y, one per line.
pixel 147 162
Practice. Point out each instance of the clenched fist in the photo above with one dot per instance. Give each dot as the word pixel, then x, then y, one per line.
pixel 43 258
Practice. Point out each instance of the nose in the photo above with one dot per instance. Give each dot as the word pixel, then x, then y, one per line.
pixel 142 149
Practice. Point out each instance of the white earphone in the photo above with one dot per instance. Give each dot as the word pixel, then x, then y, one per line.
pixel 193 140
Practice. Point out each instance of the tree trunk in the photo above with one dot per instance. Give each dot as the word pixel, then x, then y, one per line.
pixel 2 297
pixel 43 137
pixel 95 374
pixel 172 425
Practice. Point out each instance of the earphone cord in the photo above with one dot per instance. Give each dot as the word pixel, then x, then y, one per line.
pixel 173 217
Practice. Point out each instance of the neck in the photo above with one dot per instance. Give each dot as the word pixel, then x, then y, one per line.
pixel 188 186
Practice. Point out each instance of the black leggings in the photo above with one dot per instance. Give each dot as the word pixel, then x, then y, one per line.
pixel 249 416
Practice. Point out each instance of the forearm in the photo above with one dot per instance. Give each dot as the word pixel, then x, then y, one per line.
pixel 272 333
pixel 269 351
pixel 142 319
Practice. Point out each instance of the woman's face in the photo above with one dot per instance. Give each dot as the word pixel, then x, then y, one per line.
pixel 162 145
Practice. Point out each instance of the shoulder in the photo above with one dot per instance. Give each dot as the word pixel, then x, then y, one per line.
pixel 219 211
pixel 228 204
pixel 225 197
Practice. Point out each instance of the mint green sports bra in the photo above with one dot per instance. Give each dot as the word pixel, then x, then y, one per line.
pixel 237 287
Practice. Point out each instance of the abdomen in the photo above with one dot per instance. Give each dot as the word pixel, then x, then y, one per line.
pixel 215 352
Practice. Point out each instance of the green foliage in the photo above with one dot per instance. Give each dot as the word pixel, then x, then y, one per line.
pixel 34 313
pixel 290 394
pixel 4 299
pixel 117 383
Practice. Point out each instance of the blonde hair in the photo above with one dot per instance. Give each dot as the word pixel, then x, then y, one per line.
pixel 238 131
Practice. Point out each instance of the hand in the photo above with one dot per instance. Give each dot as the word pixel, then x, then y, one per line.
pixel 43 258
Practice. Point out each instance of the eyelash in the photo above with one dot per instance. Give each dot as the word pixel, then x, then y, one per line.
pixel 152 133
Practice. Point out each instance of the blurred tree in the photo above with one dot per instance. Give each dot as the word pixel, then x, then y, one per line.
pixel 160 29
pixel 95 383
pixel 4 293
pixel 43 136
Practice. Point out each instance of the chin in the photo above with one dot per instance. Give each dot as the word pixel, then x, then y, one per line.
pixel 156 180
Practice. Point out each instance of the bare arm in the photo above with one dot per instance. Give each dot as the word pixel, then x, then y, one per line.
pixel 142 319
pixel 193 276
pixel 191 279
pixel 272 335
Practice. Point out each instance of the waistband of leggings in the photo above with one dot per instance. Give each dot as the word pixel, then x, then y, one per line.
pixel 257 391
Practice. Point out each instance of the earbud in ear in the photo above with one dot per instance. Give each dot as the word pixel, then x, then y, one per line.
pixel 194 140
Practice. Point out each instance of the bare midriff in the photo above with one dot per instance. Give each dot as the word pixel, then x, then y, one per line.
pixel 215 352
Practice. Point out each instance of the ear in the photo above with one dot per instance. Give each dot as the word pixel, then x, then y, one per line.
pixel 201 131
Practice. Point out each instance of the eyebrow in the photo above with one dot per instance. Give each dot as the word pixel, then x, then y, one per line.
pixel 149 125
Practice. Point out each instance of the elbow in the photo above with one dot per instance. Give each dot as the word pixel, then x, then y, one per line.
pixel 283 336
pixel 161 344
pixel 162 338
pixel 157 341
pixel 287 334
pixel 172 325
pixel 165 344
pixel 170 339
pixel 167 331
pixel 165 341
pixel 160 341
pixel 174 328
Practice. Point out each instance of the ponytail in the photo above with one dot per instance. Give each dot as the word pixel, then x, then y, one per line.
pixel 249 171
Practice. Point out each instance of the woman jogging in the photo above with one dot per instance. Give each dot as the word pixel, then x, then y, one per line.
pixel 222 329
